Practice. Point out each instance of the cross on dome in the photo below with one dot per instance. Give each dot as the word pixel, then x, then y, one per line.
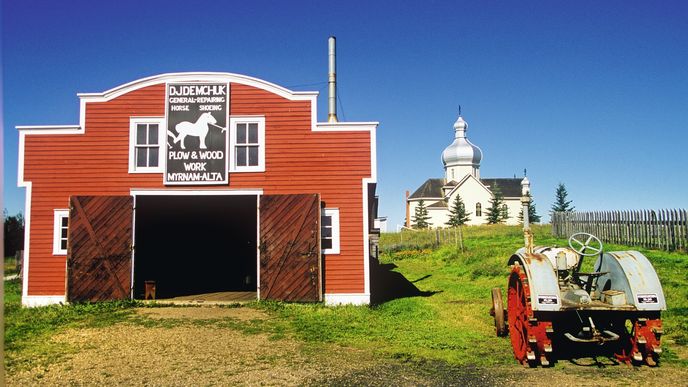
pixel 461 152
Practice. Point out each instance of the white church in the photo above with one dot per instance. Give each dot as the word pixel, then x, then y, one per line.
pixel 462 177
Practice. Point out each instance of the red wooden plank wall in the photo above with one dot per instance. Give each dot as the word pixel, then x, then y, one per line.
pixel 298 160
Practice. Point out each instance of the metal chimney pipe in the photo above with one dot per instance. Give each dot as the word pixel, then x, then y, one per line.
pixel 332 80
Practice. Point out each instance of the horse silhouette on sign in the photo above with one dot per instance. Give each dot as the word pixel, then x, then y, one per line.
pixel 197 129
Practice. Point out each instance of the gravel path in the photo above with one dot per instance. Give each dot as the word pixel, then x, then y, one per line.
pixel 179 347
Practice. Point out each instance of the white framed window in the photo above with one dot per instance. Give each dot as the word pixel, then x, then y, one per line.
pixel 60 228
pixel 146 144
pixel 478 209
pixel 329 231
pixel 247 144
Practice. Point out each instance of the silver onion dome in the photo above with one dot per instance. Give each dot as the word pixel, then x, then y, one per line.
pixel 461 151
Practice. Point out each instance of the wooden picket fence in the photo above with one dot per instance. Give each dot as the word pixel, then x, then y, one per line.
pixel 410 238
pixel 661 229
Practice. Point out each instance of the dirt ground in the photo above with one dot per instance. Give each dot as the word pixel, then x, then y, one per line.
pixel 157 350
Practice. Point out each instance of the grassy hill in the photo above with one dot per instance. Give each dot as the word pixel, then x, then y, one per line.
pixel 447 317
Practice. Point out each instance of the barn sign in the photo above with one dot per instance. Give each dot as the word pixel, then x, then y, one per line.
pixel 197 135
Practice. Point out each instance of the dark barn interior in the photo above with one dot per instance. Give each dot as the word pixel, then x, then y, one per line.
pixel 194 245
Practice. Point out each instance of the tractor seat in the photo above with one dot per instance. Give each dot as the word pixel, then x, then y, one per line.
pixel 587 283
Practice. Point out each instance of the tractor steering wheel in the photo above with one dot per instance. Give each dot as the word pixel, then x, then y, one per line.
pixel 591 243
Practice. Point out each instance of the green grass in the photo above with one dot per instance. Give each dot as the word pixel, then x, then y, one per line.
pixel 10 266
pixel 451 323
pixel 13 293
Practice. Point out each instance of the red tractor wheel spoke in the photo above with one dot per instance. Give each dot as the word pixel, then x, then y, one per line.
pixel 521 330
pixel 643 343
pixel 518 329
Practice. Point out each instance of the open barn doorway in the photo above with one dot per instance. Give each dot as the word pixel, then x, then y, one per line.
pixel 196 247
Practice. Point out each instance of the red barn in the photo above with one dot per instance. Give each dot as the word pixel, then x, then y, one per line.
pixel 199 183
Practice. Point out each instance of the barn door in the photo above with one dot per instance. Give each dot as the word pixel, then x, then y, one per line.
pixel 290 268
pixel 99 252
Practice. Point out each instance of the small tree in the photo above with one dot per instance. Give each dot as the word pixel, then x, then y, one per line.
pixel 14 233
pixel 457 213
pixel 421 217
pixel 533 217
pixel 497 213
pixel 505 212
pixel 560 202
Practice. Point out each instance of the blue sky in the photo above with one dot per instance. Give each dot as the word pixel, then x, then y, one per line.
pixel 592 94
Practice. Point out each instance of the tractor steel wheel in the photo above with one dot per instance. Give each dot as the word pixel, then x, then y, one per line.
pixel 498 312
pixel 518 316
pixel 529 336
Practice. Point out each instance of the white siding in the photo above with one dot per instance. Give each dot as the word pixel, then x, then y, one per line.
pixel 438 217
pixel 472 192
pixel 514 206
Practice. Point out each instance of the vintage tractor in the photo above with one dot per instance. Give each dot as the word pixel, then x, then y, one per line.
pixel 553 307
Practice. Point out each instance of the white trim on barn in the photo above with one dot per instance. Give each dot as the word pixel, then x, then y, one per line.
pixel 33 301
pixel 195 77
pixel 27 233
pixel 195 192
pixel 347 298
pixel 258 246
pixel 39 129
pixel 214 77
pixel 133 248
pixel 23 131
pixel 366 220
pixel 201 76
pixel 345 126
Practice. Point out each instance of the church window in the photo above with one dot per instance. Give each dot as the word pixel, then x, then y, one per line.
pixel 478 209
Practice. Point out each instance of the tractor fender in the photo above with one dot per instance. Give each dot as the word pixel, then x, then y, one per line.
pixel 542 280
pixel 632 273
